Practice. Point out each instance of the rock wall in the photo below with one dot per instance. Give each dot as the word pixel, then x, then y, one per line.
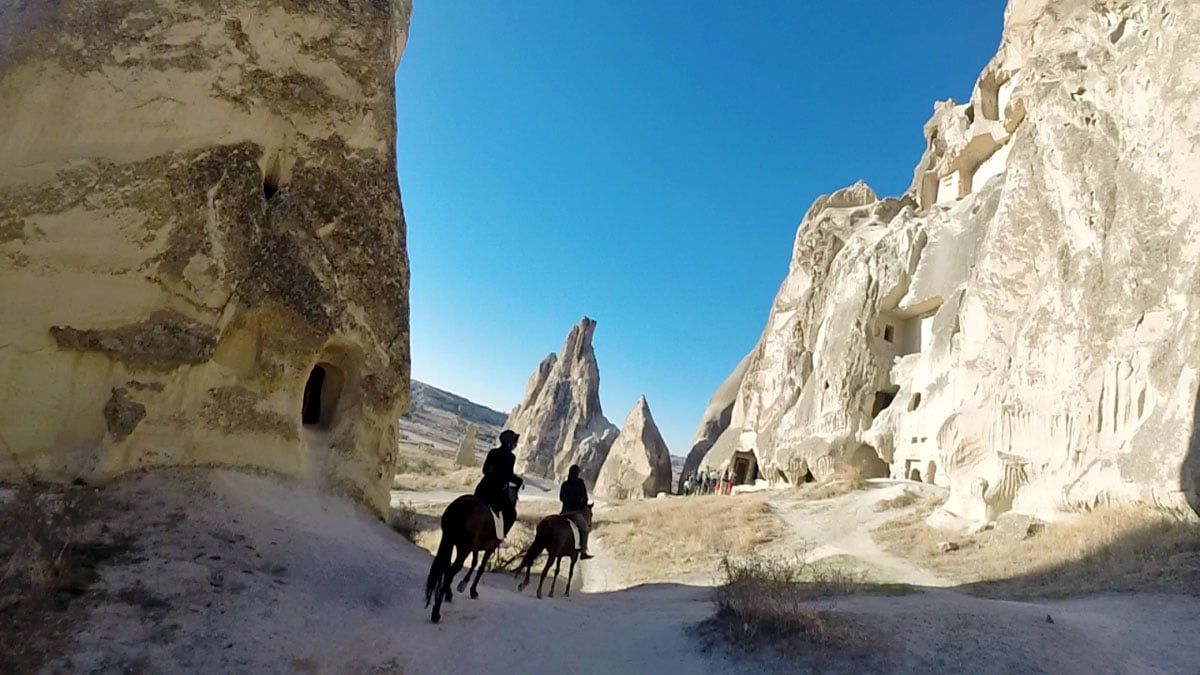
pixel 202 246
pixel 639 463
pixel 715 421
pixel 560 420
pixel 1021 326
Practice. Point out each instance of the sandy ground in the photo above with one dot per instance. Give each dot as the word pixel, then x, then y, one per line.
pixel 245 573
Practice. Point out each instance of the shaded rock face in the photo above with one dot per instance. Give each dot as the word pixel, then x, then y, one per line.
pixel 560 420
pixel 199 207
pixel 1021 325
pixel 639 463
pixel 716 420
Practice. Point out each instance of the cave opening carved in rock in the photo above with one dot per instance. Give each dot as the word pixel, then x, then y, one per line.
pixel 321 395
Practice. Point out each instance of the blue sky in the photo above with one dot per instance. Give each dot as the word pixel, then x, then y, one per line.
pixel 646 163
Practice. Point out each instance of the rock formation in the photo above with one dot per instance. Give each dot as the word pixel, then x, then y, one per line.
pixel 1021 325
pixel 466 449
pixel 560 420
pixel 715 421
pixel 638 464
pixel 202 242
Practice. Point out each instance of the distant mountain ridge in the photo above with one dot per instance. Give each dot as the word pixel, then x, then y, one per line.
pixel 440 417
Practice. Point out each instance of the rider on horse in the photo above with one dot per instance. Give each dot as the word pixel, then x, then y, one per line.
pixel 498 475
pixel 574 497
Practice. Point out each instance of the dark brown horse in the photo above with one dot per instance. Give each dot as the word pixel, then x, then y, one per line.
pixel 467 527
pixel 554 536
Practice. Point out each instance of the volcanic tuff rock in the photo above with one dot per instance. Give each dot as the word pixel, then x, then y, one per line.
pixel 560 420
pixel 1021 325
pixel 466 449
pixel 198 205
pixel 440 417
pixel 639 464
pixel 716 419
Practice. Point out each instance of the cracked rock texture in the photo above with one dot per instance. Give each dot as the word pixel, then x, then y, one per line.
pixel 560 420
pixel 198 205
pixel 1023 325
pixel 639 463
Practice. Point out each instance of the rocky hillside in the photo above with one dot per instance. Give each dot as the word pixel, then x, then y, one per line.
pixel 436 416
pixel 1021 324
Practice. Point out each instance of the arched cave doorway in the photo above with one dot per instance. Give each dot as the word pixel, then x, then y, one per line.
pixel 868 463
pixel 321 395
pixel 930 471
pixel 745 468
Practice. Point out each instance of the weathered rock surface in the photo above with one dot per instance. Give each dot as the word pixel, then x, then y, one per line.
pixel 560 420
pixel 1021 325
pixel 466 449
pixel 716 419
pixel 198 205
pixel 639 463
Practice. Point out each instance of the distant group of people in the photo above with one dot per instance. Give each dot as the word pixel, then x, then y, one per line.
pixel 500 483
pixel 709 482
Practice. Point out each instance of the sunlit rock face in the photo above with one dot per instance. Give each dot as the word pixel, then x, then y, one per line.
pixel 202 247
pixel 639 463
pixel 1020 326
pixel 560 420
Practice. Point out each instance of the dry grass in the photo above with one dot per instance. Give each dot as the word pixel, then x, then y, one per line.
pixel 770 602
pixel 661 539
pixel 426 470
pixel 901 501
pixel 843 481
pixel 1131 548
pixel 48 563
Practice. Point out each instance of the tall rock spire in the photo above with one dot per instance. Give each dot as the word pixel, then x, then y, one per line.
pixel 560 421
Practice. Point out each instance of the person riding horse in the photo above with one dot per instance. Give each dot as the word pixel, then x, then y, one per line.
pixel 574 497
pixel 498 485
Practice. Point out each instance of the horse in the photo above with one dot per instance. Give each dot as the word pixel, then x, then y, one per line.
pixel 469 527
pixel 553 536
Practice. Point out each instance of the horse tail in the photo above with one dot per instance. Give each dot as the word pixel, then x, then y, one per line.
pixel 441 563
pixel 540 543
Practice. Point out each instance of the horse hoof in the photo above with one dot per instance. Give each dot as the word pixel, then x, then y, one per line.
pixel 474 595
pixel 449 598
pixel 539 595
pixel 435 618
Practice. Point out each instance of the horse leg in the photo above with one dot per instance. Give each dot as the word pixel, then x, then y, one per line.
pixel 462 585
pixel 571 574
pixel 454 569
pixel 479 573
pixel 543 579
pixel 557 567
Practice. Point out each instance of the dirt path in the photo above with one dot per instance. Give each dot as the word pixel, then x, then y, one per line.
pixel 244 573
pixel 842 526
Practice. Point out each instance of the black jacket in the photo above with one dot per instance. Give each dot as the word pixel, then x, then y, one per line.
pixel 573 495
pixel 498 471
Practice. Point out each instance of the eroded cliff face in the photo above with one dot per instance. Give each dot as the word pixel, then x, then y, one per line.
pixel 202 242
pixel 1022 325
pixel 560 419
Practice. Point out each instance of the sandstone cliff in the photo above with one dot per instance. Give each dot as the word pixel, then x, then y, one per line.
pixel 560 420
pixel 639 463
pixel 1021 325
pixel 716 419
pixel 202 239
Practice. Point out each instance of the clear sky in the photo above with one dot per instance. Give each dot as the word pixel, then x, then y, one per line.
pixel 646 163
